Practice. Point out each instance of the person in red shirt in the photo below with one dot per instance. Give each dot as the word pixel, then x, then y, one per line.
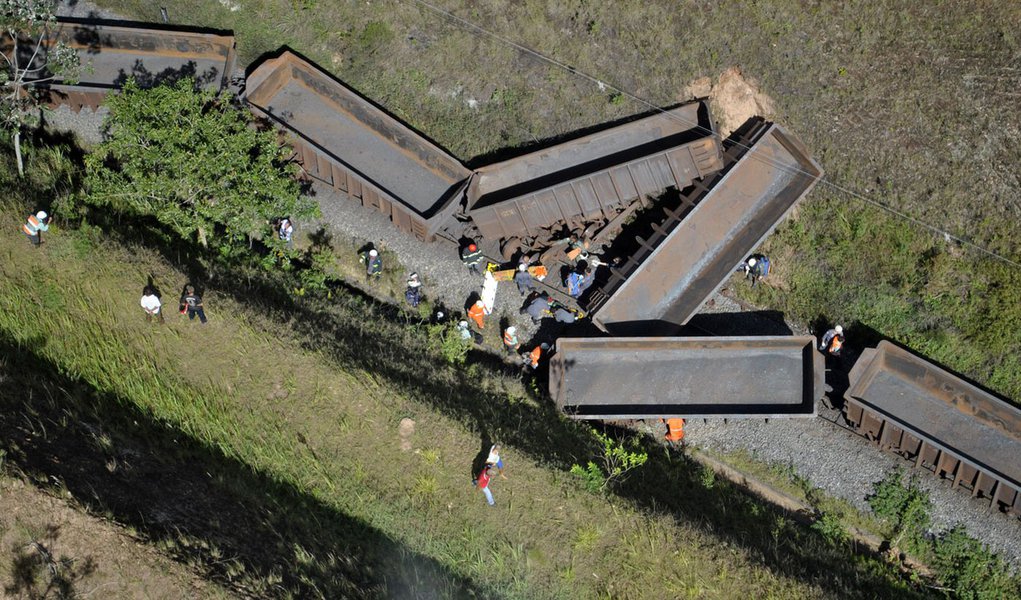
pixel 483 484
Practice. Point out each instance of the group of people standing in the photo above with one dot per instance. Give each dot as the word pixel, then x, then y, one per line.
pixel 190 304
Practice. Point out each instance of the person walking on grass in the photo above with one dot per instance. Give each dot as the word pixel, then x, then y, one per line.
pixel 35 226
pixel 151 304
pixel 373 267
pixel 191 303
pixel 483 484
pixel 413 294
pixel 493 461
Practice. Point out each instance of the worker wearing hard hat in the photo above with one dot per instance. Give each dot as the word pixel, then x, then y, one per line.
pixel 833 341
pixel 36 224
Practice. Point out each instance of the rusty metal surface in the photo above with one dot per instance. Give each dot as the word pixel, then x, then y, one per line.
pixel 694 251
pixel 595 175
pixel 939 408
pixel 111 52
pixel 347 131
pixel 643 377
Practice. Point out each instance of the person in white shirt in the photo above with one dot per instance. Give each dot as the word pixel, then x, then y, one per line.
pixel 151 304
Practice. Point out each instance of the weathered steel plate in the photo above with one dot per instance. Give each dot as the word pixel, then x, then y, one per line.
pixel 351 130
pixel 592 176
pixel 111 52
pixel 699 254
pixel 648 377
pixel 941 408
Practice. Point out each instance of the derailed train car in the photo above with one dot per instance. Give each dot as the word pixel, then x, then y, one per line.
pixel 111 52
pixel 688 377
pixel 944 424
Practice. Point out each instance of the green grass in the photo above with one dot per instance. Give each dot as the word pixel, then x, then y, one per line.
pixel 292 415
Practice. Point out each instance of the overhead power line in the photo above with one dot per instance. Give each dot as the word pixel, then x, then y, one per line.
pixel 602 84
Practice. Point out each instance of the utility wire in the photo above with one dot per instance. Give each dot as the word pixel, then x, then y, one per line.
pixel 602 84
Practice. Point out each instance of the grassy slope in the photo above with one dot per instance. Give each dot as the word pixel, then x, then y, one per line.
pixel 911 103
pixel 239 388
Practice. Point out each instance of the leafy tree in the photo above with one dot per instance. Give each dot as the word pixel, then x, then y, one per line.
pixel 905 508
pixel 192 160
pixel 33 59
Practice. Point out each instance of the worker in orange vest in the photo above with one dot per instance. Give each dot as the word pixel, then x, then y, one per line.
pixel 674 429
pixel 833 341
pixel 36 225
pixel 533 357
pixel 510 339
pixel 477 313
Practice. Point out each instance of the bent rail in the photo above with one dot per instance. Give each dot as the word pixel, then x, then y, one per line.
pixel 647 377
pixel 957 431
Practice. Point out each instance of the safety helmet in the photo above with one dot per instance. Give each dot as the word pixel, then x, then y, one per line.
pixel 472 247
pixel 41 215
pixel 479 303
pixel 838 329
pixel 512 330
pixel 413 276
pixel 522 267
pixel 462 324
pixel 373 253
pixel 752 262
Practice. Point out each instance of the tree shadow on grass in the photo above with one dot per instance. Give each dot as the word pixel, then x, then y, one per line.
pixel 273 540
pixel 360 333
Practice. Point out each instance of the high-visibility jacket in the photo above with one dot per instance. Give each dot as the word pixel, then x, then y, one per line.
pixel 34 226
pixel 534 357
pixel 509 339
pixel 675 430
pixel 471 258
pixel 476 313
pixel 836 344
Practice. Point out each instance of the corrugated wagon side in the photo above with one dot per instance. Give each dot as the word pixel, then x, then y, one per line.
pixel 944 424
pixel 592 178
pixel 345 141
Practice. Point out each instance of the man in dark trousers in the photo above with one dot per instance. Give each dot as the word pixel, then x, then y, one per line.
pixel 471 256
pixel 191 303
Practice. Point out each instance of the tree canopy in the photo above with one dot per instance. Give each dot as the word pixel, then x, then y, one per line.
pixel 194 162
pixel 30 59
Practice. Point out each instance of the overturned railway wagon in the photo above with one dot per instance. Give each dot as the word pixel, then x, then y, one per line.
pixel 345 141
pixel 111 52
pixel 650 377
pixel 694 247
pixel 944 424
pixel 525 202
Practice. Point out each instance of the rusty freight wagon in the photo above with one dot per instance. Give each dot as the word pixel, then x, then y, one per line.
pixel 345 141
pixel 524 202
pixel 111 52
pixel 656 377
pixel 944 424
pixel 693 248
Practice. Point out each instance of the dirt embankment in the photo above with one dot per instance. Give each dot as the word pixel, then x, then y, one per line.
pixel 50 549
pixel 733 98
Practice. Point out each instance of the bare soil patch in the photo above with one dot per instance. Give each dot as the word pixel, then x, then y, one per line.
pixel 734 98
pixel 50 549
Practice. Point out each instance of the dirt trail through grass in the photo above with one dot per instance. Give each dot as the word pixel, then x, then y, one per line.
pixel 239 386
